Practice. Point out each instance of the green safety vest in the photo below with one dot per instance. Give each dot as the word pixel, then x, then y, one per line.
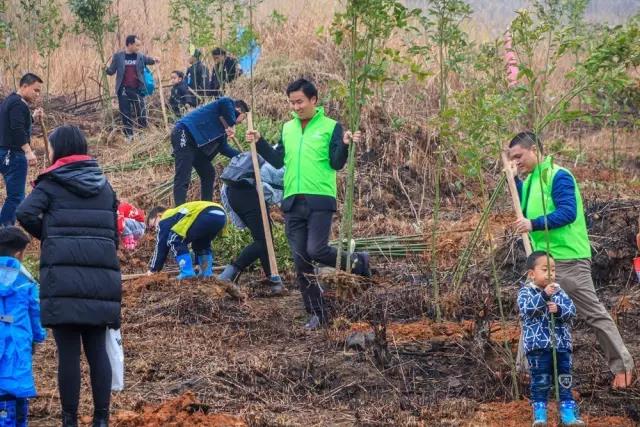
pixel 567 242
pixel 306 156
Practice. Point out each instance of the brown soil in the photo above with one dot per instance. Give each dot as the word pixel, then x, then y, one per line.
pixel 182 411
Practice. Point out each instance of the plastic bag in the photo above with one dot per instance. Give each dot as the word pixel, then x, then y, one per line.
pixel 116 358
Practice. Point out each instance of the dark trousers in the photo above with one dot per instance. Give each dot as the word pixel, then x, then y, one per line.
pixel 13 167
pixel 245 203
pixel 308 234
pixel 132 109
pixel 541 371
pixel 204 229
pixel 189 156
pixel 13 411
pixel 68 339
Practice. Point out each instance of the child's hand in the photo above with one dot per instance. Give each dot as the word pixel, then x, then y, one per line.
pixel 552 289
pixel 553 307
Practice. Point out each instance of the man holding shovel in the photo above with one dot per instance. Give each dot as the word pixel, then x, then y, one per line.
pixel 554 216
pixel 312 148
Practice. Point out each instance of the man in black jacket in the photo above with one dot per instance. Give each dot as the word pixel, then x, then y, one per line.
pixel 15 136
pixel 225 70
pixel 180 97
pixel 197 76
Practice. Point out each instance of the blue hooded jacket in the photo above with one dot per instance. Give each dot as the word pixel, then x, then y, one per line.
pixel 536 319
pixel 204 123
pixel 19 328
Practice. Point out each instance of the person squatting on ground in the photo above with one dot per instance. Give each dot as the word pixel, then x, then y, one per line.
pixel 181 99
pixel 240 199
pixel 538 299
pixel 568 242
pixel 225 70
pixel 131 225
pixel 20 329
pixel 197 139
pixel 15 139
pixel 312 148
pixel 73 212
pixel 194 223
pixel 198 76
pixel 128 66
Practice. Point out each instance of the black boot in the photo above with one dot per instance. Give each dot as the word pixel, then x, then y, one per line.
pixel 101 418
pixel 360 264
pixel 69 419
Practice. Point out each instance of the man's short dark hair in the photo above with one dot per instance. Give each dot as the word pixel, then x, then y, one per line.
pixel 219 52
pixel 534 257
pixel 12 241
pixel 242 106
pixel 29 79
pixel 67 141
pixel 526 140
pixel 305 86
pixel 154 212
pixel 131 39
pixel 178 73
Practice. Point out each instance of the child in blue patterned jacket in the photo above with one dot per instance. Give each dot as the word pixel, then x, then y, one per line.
pixel 538 300
pixel 20 328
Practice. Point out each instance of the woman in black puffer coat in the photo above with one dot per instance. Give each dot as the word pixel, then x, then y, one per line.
pixel 73 212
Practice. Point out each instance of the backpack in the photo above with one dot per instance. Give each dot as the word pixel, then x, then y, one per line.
pixel 149 82
pixel 240 170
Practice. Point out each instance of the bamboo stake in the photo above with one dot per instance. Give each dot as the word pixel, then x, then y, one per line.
pixel 45 136
pixel 164 107
pixel 273 265
pixel 513 190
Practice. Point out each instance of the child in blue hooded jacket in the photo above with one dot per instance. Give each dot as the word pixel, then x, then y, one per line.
pixel 20 328
pixel 538 300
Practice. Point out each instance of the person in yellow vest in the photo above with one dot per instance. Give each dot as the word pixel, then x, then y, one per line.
pixel 313 148
pixel 192 223
pixel 554 218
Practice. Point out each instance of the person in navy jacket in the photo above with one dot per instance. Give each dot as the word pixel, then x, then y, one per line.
pixel 197 139
pixel 20 328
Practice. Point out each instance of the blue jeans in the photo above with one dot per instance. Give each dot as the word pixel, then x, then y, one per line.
pixel 541 370
pixel 204 229
pixel 13 411
pixel 13 167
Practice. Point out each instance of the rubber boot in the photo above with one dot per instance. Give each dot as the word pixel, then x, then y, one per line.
pixel 569 414
pixel 277 288
pixel 100 418
pixel 539 414
pixel 206 265
pixel 360 264
pixel 185 263
pixel 69 419
pixel 229 274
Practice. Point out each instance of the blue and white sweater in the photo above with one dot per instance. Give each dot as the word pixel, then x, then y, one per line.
pixel 536 319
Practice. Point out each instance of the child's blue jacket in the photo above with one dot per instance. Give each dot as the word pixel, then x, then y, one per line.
pixel 20 327
pixel 536 319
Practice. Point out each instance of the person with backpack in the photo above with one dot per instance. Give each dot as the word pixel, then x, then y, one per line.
pixel 181 98
pixel 198 76
pixel 240 199
pixel 72 210
pixel 313 147
pixel 197 139
pixel 129 66
pixel 20 328
pixel 194 224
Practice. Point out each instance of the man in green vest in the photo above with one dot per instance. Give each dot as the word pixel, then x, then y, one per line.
pixel 554 218
pixel 312 148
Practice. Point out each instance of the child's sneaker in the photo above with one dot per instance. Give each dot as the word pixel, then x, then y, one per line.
pixel 569 414
pixel 539 414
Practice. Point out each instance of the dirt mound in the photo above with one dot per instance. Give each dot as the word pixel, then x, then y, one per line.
pixel 344 286
pixel 183 411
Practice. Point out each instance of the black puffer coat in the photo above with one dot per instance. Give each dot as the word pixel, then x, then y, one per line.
pixel 73 212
